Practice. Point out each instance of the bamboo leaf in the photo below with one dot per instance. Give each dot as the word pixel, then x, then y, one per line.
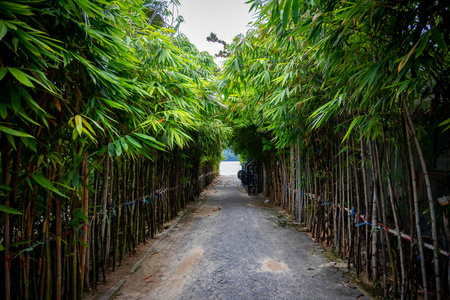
pixel 15 100
pixel 118 148
pixel 47 184
pixel 9 210
pixel 21 76
pixel 14 132
pixel 439 40
pixel 3 29
pixel 79 124
pixel 3 110
pixel 124 144
pixel 111 149
pixel 286 12
pixel 446 122
pixel 425 41
pixel 88 126
pixel 295 10
pixel 3 72
pixel 133 141
pixel 405 60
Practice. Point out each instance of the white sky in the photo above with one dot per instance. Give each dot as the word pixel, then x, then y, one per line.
pixel 226 18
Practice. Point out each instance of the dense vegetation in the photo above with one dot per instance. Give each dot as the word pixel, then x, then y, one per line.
pixel 108 127
pixel 347 106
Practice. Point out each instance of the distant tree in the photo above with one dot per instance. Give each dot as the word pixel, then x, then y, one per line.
pixel 214 39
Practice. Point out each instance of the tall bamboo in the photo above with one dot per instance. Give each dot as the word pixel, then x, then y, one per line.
pixel 85 228
pixel 430 200
pixel 374 220
pixel 417 214
pixel 6 149
pixel 397 227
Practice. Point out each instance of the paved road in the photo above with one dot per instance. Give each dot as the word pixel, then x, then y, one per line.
pixel 230 247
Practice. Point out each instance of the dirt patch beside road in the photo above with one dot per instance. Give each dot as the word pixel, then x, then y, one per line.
pixel 273 266
pixel 190 261
pixel 206 211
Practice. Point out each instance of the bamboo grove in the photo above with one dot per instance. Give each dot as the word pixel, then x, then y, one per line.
pixel 346 105
pixel 108 127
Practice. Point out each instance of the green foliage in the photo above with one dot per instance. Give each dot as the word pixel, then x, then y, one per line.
pixel 86 81
pixel 310 63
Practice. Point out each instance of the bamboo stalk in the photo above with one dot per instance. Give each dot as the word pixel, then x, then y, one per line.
pixel 107 216
pixel 374 216
pixel 366 205
pixel 358 209
pixel 58 230
pixel 84 208
pixel 397 228
pixel 384 218
pixel 417 215
pixel 6 160
pixel 430 201
pixel 299 183
pixel 291 178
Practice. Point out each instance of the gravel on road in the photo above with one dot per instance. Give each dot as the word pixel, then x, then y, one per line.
pixel 231 247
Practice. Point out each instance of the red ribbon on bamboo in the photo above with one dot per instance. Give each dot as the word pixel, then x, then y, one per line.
pixel 8 259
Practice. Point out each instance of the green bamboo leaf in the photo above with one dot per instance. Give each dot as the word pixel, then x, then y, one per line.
pixel 295 10
pixel 439 40
pixel 118 148
pixel 286 12
pixel 3 30
pixel 148 137
pixel 3 110
pixel 111 149
pixel 15 8
pixel 79 124
pixel 30 144
pixel 21 76
pixel 76 178
pixel 47 184
pixel 124 144
pixel 87 125
pixel 3 72
pixel 133 141
pixel 15 100
pixel 9 210
pixel 156 144
pixel 14 132
pixel 405 60
pixel 11 140
pixel 425 41
pixel 356 121
pixel 446 122
pixel 32 104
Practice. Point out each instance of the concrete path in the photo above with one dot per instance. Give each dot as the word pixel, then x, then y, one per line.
pixel 230 247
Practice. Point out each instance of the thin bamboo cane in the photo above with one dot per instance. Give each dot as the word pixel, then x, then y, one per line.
pixel 374 215
pixel 366 205
pixel 384 218
pixel 58 231
pixel 430 201
pixel 397 227
pixel 84 208
pixel 6 149
pixel 417 215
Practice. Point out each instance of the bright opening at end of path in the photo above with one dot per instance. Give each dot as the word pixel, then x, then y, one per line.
pixel 228 168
